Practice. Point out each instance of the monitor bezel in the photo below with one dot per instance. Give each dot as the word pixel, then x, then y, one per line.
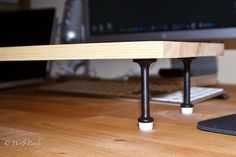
pixel 33 80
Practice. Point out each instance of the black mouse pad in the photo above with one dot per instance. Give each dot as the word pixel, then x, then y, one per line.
pixel 223 125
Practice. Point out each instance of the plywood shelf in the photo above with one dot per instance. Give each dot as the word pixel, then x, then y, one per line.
pixel 113 50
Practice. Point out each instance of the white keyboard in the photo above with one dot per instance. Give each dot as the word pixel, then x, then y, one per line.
pixel 197 94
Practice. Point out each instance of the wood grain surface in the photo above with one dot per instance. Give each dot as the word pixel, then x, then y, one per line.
pixel 75 126
pixel 113 50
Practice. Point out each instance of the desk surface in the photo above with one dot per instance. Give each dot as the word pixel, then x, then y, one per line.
pixel 114 50
pixel 70 126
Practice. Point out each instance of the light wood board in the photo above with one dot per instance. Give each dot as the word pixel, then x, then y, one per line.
pixel 114 50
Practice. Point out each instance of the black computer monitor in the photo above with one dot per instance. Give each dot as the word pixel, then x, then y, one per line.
pixel 23 28
pixel 191 20
pixel 172 20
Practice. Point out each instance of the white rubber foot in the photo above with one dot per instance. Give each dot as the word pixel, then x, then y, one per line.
pixel 145 126
pixel 187 110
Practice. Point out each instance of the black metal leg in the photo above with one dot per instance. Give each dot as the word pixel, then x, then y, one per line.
pixel 187 106
pixel 145 120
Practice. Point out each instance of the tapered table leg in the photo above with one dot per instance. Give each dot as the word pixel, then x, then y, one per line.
pixel 145 121
pixel 187 106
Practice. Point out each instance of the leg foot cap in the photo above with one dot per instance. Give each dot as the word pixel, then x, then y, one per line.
pixel 187 110
pixel 145 126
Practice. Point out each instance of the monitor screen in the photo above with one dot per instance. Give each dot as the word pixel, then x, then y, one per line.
pixel 22 28
pixel 161 20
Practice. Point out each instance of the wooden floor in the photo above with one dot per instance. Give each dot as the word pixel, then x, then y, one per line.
pixel 39 124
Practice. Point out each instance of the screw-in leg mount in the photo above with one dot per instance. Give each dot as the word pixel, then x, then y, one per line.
pixel 187 106
pixel 145 121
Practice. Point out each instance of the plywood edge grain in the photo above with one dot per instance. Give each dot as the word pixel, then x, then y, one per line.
pixel 192 49
pixel 113 50
pixel 116 50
